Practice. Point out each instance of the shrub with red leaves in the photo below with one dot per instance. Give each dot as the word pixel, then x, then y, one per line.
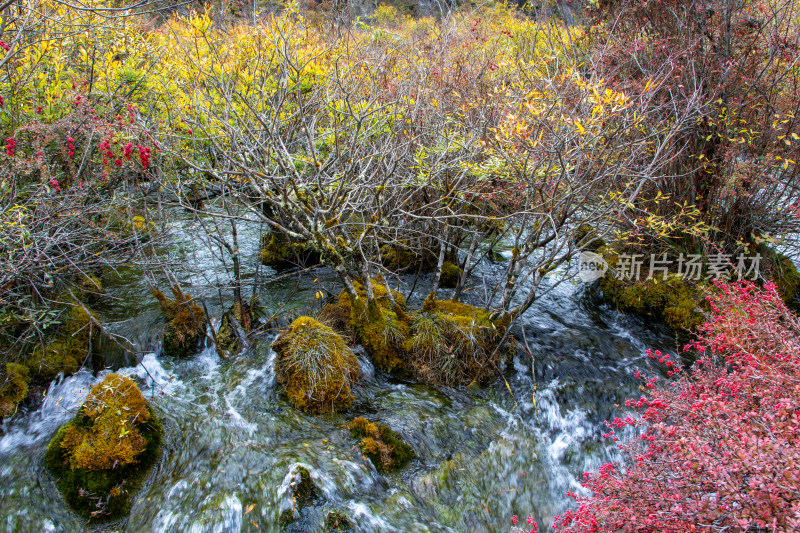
pixel 720 445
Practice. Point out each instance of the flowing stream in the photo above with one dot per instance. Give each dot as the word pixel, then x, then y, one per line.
pixel 232 439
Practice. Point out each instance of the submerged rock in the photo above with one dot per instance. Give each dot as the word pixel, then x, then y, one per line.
pixel 303 494
pixel 338 521
pixel 187 323
pixel 101 457
pixel 315 367
pixel 381 445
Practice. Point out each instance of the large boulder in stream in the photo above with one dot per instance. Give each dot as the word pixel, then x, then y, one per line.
pixel 101 457
pixel 315 366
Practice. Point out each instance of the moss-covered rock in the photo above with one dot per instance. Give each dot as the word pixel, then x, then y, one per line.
pixel 89 288
pixel 279 251
pixel 303 494
pixel 402 257
pixel 68 350
pixel 381 445
pixel 101 457
pixel 315 367
pixel 187 323
pixel 14 381
pixel 587 238
pixel 338 521
pixel 455 344
pixel 677 301
pixel 382 327
pixel 451 273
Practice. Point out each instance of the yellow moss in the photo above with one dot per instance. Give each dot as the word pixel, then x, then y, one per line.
pixel 13 387
pixel 110 438
pixel 68 350
pixel 315 367
pixel 588 239
pixel 381 445
pixel 381 331
pixel 280 251
pixel 454 344
pixel 100 458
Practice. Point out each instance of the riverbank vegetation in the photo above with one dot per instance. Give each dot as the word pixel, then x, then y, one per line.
pixel 401 155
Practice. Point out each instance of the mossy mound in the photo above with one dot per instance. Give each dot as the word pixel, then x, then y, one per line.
pixel 14 381
pixel 315 367
pixel 66 353
pixel 781 270
pixel 187 323
pixel 587 238
pixel 381 445
pixel 337 318
pixel 280 252
pixel 454 344
pixel 101 458
pixel 676 301
pixel 451 273
pixel 304 493
pixel 446 343
pixel 338 521
pixel 398 257
pixel 382 327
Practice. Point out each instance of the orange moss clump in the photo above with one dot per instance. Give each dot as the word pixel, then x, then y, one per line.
pixel 315 366
pixel 381 445
pixel 187 323
pixel 113 407
pixel 101 457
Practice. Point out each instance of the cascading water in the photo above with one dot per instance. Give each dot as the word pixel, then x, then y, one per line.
pixel 232 440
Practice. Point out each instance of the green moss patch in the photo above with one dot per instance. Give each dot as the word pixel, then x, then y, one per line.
pixel 381 445
pixel 101 458
pixel 67 351
pixel 381 327
pixel 451 273
pixel 279 251
pixel 315 367
pixel 14 381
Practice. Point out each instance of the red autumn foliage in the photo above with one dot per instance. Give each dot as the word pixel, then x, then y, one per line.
pixel 720 445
